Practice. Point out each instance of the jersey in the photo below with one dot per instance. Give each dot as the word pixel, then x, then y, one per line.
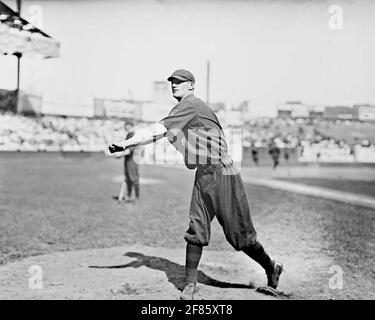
pixel 195 131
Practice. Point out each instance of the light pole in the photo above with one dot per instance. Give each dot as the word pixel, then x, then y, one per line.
pixel 208 83
pixel 18 55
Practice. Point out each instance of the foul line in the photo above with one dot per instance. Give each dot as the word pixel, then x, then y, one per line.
pixel 325 193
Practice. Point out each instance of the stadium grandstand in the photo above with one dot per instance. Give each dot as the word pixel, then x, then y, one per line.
pixel 42 133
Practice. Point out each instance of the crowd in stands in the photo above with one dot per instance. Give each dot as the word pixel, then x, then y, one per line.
pixel 311 144
pixel 293 133
pixel 54 133
pixel 259 133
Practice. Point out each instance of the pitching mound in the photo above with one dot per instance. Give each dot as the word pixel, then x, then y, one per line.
pixel 130 272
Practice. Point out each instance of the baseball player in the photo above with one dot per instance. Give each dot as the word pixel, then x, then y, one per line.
pixel 274 151
pixel 255 154
pixel 194 130
pixel 131 168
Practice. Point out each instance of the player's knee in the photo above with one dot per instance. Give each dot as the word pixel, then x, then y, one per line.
pixel 196 241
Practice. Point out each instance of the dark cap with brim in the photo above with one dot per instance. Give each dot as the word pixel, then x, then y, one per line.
pixel 182 75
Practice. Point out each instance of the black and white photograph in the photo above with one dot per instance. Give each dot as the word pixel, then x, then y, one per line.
pixel 168 150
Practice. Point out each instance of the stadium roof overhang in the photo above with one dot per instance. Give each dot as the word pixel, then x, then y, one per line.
pixel 19 37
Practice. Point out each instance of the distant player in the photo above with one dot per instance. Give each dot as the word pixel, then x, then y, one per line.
pixel 274 151
pixel 131 168
pixel 195 131
pixel 255 154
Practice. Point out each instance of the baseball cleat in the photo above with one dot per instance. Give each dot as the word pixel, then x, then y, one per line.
pixel 188 292
pixel 274 275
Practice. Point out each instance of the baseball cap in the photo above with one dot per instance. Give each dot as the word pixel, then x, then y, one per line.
pixel 182 74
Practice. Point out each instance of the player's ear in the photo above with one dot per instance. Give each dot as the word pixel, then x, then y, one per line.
pixel 191 86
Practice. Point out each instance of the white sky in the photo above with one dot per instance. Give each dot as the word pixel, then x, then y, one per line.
pixel 264 51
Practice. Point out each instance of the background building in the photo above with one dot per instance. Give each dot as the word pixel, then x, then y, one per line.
pixel 118 108
pixel 297 109
pixel 293 109
pixel 365 112
pixel 339 112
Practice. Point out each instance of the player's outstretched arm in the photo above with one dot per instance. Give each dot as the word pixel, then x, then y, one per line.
pixel 147 135
pixel 116 154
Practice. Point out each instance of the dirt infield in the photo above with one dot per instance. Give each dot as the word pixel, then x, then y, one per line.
pixel 130 272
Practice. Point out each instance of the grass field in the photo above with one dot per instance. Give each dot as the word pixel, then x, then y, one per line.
pixel 52 203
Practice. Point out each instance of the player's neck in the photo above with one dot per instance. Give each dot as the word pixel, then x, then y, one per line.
pixel 185 96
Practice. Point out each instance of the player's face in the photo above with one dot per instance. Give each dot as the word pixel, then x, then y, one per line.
pixel 181 89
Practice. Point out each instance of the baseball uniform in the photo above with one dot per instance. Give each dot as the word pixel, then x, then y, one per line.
pixel 195 131
pixel 131 169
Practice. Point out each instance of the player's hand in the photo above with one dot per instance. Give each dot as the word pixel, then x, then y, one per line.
pixel 115 148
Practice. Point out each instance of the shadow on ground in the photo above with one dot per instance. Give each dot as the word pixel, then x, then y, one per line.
pixel 175 272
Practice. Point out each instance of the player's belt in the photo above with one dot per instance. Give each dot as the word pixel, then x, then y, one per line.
pixel 209 168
